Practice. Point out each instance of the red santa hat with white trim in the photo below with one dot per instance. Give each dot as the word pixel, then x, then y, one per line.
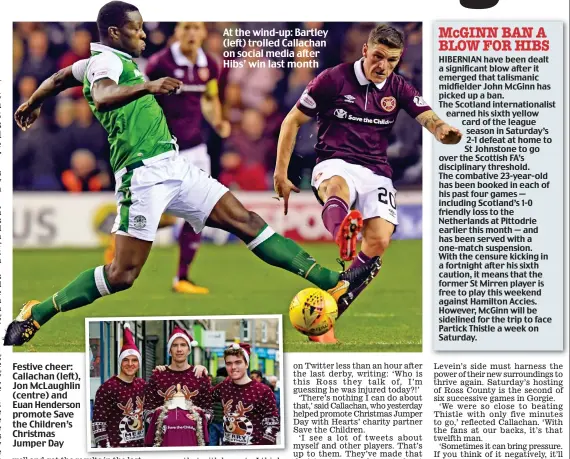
pixel 129 347
pixel 245 350
pixel 179 332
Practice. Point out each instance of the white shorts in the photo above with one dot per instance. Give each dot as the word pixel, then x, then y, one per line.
pixel 199 157
pixel 165 183
pixel 373 195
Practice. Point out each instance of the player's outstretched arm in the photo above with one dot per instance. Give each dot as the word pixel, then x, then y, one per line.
pixel 29 111
pixel 287 136
pixel 108 95
pixel 442 131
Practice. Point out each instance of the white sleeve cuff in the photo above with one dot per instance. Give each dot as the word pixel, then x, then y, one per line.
pixel 78 69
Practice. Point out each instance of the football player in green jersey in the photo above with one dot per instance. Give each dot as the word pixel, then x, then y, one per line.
pixel 151 178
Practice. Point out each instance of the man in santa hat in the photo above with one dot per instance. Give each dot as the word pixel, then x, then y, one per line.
pixel 192 379
pixel 251 416
pixel 119 402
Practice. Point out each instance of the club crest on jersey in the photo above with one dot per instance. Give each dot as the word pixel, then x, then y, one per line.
pixel 388 103
pixel 139 222
pixel 203 73
pixel 179 73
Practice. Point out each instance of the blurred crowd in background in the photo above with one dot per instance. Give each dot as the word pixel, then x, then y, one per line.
pixel 66 149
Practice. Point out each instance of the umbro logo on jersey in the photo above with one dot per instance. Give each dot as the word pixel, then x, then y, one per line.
pixel 350 99
pixel 340 113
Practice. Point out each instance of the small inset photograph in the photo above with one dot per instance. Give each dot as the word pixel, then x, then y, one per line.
pixel 185 383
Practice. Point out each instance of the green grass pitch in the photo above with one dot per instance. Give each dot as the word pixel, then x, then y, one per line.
pixel 387 317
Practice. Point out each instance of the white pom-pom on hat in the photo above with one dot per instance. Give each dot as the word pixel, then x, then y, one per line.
pixel 245 348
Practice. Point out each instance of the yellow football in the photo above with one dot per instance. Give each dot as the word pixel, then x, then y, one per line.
pixel 313 311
